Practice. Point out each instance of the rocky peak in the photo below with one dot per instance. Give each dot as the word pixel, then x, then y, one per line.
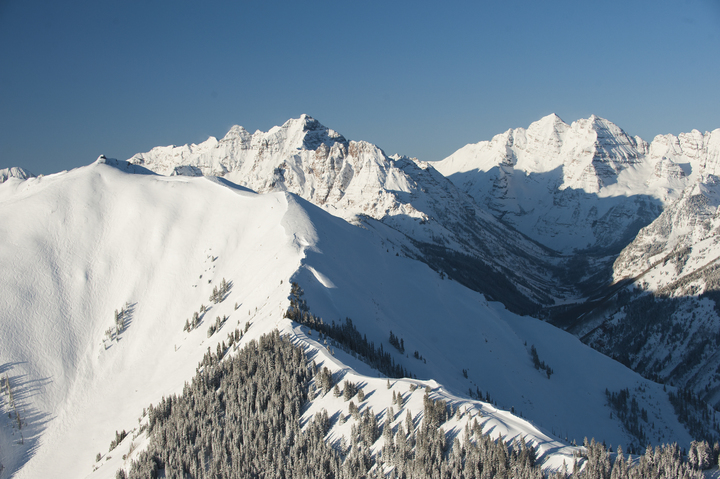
pixel 14 172
pixel 305 133
pixel 700 152
pixel 547 133
pixel 237 133
pixel 556 182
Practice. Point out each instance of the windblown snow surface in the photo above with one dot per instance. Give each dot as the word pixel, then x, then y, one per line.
pixel 78 245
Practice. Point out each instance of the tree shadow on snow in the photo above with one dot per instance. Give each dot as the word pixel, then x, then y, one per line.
pixel 127 316
pixel 21 425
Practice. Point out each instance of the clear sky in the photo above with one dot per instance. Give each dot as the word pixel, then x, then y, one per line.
pixel 84 78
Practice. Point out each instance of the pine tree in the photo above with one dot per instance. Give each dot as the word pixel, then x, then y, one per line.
pixel 620 467
pixel 693 455
pixel 409 423
pixel 353 409
pixel 704 455
pixel 349 390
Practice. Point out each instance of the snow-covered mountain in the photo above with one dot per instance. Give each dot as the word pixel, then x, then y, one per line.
pixel 587 189
pixel 388 242
pixel 586 185
pixel 356 181
pixel 82 244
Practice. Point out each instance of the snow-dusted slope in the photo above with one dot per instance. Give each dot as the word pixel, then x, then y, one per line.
pixel 583 185
pixel 356 180
pixel 454 328
pixel 81 244
pixel 688 227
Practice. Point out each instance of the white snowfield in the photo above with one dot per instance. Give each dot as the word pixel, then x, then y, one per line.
pixel 78 245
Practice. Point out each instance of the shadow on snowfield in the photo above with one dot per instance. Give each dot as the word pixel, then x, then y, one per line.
pixel 21 425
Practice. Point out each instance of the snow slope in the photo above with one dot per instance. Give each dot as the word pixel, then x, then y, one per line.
pixel 454 328
pixel 583 185
pixel 78 245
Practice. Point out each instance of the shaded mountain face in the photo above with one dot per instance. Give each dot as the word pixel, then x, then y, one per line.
pixel 355 180
pixel 664 322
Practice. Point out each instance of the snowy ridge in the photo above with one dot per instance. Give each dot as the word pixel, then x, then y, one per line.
pixel 576 186
pixel 301 156
pixel 101 238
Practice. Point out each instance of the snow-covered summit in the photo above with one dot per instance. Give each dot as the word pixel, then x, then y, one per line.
pixel 581 185
pixel 591 152
pixel 239 150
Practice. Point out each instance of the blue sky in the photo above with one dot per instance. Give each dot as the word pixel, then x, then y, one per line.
pixel 79 79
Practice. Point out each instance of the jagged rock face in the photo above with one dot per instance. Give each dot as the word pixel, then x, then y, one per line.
pixel 355 179
pixel 696 151
pixel 579 186
pixel 14 172
pixel 254 156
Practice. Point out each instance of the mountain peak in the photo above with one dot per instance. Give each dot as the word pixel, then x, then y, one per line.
pixel 237 132
pixel 305 122
pixel 599 124
pixel 547 128
pixel 14 172
pixel 552 118
pixel 312 132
